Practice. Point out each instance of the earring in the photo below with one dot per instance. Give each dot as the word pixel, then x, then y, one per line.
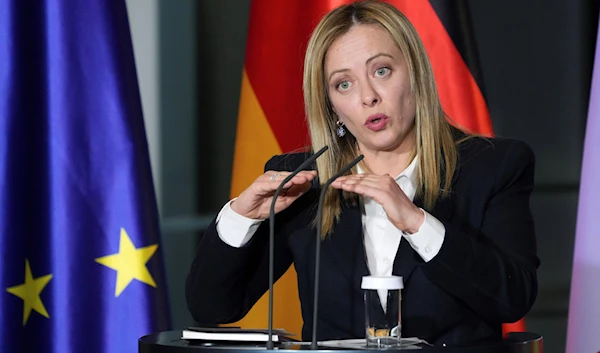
pixel 341 130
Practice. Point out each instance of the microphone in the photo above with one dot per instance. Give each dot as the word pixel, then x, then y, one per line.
pixel 343 171
pixel 302 166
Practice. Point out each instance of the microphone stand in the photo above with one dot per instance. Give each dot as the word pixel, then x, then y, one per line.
pixel 306 163
pixel 343 171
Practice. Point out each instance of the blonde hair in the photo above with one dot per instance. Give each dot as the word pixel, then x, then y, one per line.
pixel 435 147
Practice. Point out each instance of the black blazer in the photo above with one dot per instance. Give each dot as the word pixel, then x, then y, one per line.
pixel 483 275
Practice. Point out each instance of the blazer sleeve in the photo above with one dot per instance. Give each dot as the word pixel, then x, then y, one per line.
pixel 493 271
pixel 224 282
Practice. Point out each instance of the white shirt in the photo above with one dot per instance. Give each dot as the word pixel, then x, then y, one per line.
pixel 381 237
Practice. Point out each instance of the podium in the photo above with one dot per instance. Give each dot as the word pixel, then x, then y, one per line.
pixel 171 342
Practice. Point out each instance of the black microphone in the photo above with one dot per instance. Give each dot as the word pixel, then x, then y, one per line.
pixel 302 166
pixel 343 171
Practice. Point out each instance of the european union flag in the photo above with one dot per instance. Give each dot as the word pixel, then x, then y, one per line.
pixel 80 263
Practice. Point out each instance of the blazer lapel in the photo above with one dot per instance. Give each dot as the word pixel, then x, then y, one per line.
pixel 406 261
pixel 345 245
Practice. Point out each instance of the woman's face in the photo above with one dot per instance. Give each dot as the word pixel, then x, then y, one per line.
pixel 369 89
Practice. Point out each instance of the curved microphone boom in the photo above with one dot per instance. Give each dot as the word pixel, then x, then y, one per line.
pixel 302 166
pixel 343 171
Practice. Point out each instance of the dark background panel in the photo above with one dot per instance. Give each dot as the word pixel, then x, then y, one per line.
pixel 536 60
pixel 178 108
pixel 221 40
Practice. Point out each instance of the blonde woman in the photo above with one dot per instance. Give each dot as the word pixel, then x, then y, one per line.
pixel 447 211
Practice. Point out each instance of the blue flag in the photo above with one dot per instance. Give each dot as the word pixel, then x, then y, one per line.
pixel 80 255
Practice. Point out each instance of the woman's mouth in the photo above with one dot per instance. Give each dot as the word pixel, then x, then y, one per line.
pixel 376 122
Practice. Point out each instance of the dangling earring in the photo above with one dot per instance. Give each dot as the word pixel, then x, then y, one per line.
pixel 341 129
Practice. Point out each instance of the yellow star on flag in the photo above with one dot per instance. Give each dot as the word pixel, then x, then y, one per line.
pixel 130 263
pixel 30 293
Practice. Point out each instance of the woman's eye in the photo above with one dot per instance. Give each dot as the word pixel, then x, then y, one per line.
pixel 382 71
pixel 343 86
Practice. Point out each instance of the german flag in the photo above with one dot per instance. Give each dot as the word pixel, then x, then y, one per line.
pixel 271 114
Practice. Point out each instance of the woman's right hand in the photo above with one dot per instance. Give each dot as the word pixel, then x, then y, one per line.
pixel 255 201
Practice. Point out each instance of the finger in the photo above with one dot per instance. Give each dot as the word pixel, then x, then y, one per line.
pixel 358 179
pixel 285 199
pixel 340 180
pixel 297 184
pixel 377 182
pixel 372 191
pixel 279 176
pixel 353 176
pixel 296 180
pixel 359 188
pixel 298 189
pixel 271 180
pixel 273 176
pixel 371 177
pixel 372 182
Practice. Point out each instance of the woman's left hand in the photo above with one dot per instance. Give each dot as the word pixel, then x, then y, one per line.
pixel 400 210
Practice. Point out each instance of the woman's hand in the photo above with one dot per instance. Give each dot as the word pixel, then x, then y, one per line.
pixel 400 210
pixel 255 201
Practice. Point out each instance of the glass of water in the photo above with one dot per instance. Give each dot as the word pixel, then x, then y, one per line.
pixel 383 316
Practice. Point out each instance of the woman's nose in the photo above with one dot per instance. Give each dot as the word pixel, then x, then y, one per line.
pixel 369 95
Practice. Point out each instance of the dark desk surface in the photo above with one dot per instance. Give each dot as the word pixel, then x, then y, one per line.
pixel 171 342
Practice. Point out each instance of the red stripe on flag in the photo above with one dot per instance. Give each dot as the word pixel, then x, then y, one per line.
pixel 460 96
pixel 277 39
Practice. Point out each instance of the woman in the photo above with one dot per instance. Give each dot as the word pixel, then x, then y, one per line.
pixel 448 212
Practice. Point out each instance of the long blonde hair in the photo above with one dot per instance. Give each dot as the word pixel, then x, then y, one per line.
pixel 435 147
